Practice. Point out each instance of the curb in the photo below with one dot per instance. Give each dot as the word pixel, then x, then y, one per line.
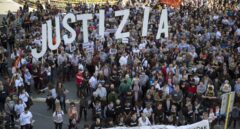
pixel 42 100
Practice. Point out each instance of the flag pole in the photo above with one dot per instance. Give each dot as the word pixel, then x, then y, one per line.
pixel 228 110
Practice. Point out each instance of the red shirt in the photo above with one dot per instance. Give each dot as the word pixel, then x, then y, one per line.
pixel 79 78
pixel 192 89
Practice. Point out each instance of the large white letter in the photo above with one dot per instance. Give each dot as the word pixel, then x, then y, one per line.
pixel 163 25
pixel 66 39
pixel 35 54
pixel 85 18
pixel 57 32
pixel 125 14
pixel 101 23
pixel 145 21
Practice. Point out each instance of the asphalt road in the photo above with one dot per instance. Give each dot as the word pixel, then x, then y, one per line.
pixel 43 117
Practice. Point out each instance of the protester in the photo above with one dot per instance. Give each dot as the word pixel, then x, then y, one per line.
pixel 26 119
pixel 73 116
pixel 174 80
pixel 58 117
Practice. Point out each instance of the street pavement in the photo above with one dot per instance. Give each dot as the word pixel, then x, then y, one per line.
pixel 43 117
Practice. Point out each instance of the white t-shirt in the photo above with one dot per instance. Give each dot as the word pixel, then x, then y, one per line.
pixel 24 97
pixel 19 108
pixel 53 93
pixel 19 82
pixel 101 92
pixel 144 123
pixel 93 82
pixel 123 60
pixel 148 112
pixel 218 34
pixel 238 32
pixel 25 118
pixel 58 117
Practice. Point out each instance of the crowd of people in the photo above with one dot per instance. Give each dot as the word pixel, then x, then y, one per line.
pixel 135 81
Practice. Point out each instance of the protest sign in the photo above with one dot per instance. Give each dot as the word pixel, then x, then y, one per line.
pixel 204 124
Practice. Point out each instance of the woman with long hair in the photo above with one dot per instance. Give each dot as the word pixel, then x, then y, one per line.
pixel 61 95
pixel 58 117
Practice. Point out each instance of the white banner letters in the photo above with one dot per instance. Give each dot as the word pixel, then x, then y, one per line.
pixel 163 24
pixel 125 13
pixel 85 18
pixel 72 17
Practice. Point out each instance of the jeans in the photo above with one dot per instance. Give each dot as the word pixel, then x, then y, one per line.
pixel 62 102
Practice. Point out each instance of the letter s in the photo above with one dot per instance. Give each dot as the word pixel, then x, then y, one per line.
pixel 66 39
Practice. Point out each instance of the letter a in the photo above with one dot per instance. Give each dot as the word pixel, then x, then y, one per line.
pixel 163 24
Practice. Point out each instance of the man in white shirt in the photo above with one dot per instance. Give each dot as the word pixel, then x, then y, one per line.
pixel 18 82
pixel 123 59
pixel 24 96
pixel 148 111
pixel 93 82
pixel 19 107
pixel 25 119
pixel 101 91
pixel 144 121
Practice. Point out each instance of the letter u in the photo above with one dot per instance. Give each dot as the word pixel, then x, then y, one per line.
pixel 50 34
